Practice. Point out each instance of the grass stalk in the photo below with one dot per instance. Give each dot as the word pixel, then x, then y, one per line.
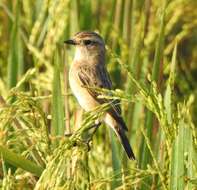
pixel 85 158
pixel 145 154
pixel 116 164
pixel 14 55
pixel 58 127
pixel 177 164
pixel 66 99
pixel 20 162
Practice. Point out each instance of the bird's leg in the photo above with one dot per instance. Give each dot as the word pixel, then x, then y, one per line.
pixel 94 127
pixel 68 134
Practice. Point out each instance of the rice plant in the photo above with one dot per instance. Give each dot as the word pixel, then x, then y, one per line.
pixel 47 140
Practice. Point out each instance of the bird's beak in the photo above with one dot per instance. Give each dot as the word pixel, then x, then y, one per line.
pixel 70 42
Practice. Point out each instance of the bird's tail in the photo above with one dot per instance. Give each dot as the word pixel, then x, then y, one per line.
pixel 125 143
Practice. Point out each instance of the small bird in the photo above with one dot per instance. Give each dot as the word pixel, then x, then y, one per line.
pixel 88 69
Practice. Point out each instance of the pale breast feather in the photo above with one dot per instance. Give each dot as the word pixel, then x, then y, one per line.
pixel 86 101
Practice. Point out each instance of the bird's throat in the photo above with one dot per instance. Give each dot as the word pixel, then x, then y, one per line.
pixel 82 54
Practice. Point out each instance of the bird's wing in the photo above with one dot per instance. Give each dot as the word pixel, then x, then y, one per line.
pixel 98 78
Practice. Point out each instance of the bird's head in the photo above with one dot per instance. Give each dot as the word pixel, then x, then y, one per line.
pixel 88 45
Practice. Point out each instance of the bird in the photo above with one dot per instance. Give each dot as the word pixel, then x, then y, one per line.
pixel 88 69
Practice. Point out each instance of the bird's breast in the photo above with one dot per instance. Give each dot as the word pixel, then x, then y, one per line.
pixel 86 101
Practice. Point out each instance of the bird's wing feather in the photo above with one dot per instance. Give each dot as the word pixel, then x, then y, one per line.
pixel 98 78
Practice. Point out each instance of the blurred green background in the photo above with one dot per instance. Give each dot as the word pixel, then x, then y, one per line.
pixel 151 58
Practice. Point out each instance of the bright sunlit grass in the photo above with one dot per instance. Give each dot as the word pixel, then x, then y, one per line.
pixel 47 141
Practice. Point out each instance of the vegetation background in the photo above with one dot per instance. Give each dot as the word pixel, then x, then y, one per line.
pixel 151 57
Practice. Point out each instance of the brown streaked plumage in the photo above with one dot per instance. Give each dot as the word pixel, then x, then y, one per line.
pixel 88 69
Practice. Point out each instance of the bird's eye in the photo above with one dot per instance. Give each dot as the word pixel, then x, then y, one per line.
pixel 87 42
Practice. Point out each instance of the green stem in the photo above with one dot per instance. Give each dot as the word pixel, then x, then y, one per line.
pixel 20 162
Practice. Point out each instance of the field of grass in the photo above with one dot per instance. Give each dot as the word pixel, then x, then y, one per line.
pixel 45 140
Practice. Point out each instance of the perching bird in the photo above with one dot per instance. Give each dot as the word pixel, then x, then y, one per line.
pixel 88 70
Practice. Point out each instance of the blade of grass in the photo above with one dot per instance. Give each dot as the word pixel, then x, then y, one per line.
pixel 134 65
pixel 144 152
pixel 115 161
pixel 145 157
pixel 169 106
pixel 57 100
pixel 170 86
pixel 13 57
pixel 87 14
pixel 177 162
pixel 19 161
pixel 66 91
pixel 188 148
pixel 183 159
pixel 126 21
pixel 192 155
pixel 117 23
pixel 74 17
pixel 106 27
pixel 163 182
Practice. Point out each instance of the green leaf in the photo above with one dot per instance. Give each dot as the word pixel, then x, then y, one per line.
pixel 58 127
pixel 20 162
pixel 170 86
pixel 115 160
pixel 14 55
pixel 177 162
pixel 145 155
